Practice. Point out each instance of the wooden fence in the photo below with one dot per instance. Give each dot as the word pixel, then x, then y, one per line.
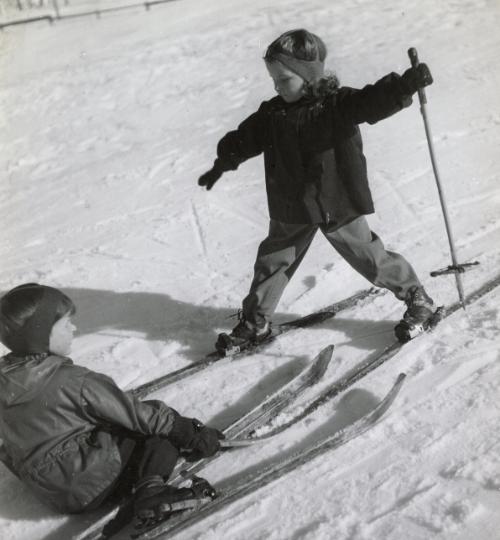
pixel 58 16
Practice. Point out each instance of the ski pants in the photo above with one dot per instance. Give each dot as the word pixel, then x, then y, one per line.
pixel 281 253
pixel 141 457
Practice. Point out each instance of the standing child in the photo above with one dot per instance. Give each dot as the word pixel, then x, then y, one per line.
pixel 316 178
pixel 71 434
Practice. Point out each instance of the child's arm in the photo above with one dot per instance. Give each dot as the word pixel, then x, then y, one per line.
pixel 386 97
pixel 237 146
pixel 107 405
pixel 103 401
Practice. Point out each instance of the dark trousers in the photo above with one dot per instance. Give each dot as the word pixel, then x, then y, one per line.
pixel 141 457
pixel 281 253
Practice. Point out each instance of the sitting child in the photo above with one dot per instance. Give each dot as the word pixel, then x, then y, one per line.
pixel 71 434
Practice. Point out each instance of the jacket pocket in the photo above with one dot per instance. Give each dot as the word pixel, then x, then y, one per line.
pixel 75 473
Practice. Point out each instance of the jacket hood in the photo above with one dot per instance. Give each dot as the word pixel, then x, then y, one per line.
pixel 23 377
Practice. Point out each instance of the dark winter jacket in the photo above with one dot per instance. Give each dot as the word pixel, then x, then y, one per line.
pixel 313 154
pixel 57 421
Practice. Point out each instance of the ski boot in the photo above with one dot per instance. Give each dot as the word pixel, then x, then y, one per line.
pixel 420 316
pixel 156 501
pixel 242 336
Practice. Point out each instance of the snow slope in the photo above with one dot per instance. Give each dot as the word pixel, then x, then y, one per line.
pixel 106 126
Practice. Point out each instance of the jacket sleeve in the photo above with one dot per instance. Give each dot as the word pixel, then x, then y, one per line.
pixel 7 460
pixel 374 102
pixel 245 142
pixel 104 402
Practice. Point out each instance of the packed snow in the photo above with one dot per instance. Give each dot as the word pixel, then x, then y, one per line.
pixel 107 124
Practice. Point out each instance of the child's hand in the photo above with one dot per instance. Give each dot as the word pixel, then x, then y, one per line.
pixel 209 178
pixel 199 440
pixel 206 443
pixel 415 78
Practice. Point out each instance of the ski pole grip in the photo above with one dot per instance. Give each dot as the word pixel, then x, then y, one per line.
pixel 412 53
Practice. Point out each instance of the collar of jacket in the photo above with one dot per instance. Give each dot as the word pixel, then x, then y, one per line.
pixel 13 361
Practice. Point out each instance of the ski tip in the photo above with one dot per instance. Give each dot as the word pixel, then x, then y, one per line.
pixel 327 351
pixel 322 360
pixel 401 378
pixel 396 387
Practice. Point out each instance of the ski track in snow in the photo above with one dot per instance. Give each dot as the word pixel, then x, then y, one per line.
pixel 107 125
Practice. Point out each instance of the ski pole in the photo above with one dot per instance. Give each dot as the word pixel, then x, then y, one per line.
pixel 412 53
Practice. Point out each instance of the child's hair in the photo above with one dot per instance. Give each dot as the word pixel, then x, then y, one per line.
pixel 304 45
pixel 28 312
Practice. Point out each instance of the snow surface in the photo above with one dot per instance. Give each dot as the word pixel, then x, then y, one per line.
pixel 107 125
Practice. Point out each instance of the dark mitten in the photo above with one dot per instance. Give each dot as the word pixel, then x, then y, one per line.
pixel 191 435
pixel 209 178
pixel 415 78
pixel 207 442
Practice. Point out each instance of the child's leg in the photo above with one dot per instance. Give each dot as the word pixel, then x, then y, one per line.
pixel 366 253
pixel 152 456
pixel 141 458
pixel 278 257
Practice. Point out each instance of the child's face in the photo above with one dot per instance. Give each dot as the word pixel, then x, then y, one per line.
pixel 287 84
pixel 61 336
